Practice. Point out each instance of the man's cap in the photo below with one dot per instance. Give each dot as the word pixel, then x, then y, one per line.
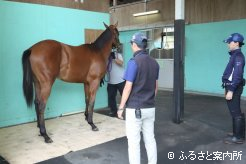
pixel 235 37
pixel 138 38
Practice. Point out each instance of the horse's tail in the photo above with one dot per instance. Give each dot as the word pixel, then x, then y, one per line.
pixel 27 77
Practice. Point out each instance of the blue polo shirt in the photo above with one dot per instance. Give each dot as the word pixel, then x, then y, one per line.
pixel 131 71
pixel 143 71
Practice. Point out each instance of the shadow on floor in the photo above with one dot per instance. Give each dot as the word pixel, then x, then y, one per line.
pixel 3 161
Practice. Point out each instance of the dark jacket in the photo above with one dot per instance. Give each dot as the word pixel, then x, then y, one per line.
pixel 143 89
pixel 233 74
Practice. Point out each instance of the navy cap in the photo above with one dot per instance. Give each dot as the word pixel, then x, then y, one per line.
pixel 138 38
pixel 235 37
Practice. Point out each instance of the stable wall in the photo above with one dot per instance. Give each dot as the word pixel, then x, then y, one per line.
pixel 24 24
pixel 196 11
pixel 206 56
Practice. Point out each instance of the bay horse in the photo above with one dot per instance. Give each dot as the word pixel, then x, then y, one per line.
pixel 49 59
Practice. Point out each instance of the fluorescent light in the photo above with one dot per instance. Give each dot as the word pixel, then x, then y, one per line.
pixel 146 13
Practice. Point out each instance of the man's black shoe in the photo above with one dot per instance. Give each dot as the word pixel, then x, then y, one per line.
pixel 112 114
pixel 233 140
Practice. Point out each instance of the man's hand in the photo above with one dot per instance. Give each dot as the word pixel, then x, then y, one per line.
pixel 112 55
pixel 120 113
pixel 229 95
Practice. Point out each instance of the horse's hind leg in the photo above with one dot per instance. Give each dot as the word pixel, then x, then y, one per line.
pixel 41 109
pixel 41 104
pixel 37 101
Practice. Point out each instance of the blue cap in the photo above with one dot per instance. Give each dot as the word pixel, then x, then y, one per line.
pixel 235 37
pixel 138 38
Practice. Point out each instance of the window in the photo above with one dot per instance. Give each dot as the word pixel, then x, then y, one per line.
pixel 161 44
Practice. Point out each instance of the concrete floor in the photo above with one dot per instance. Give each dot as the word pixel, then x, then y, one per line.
pixel 198 139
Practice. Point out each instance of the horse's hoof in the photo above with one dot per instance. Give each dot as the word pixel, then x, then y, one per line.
pixel 48 140
pixel 95 129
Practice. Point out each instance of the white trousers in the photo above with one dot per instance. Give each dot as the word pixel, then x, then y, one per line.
pixel 133 128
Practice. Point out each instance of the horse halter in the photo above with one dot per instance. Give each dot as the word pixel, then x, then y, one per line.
pixel 116 41
pixel 115 32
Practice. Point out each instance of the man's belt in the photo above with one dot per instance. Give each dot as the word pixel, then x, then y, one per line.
pixel 227 84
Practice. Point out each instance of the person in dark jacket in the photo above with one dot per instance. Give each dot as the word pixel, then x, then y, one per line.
pixel 233 82
pixel 138 97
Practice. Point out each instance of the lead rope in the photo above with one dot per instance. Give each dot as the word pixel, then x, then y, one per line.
pixel 109 68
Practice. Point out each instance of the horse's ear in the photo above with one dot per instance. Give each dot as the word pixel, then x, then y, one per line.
pixel 116 24
pixel 105 25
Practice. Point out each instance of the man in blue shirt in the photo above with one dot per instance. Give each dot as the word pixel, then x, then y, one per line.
pixel 139 99
pixel 233 83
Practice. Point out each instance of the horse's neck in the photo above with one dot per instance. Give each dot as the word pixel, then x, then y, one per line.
pixel 106 51
pixel 104 43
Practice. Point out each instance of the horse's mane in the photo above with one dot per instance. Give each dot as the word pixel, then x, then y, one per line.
pixel 103 38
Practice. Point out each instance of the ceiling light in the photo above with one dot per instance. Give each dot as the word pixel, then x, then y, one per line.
pixel 146 13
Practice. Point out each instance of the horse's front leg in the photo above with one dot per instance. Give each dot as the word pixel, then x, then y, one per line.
pixel 91 99
pixel 86 89
pixel 90 116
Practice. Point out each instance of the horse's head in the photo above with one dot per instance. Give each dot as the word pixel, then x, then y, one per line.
pixel 115 32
